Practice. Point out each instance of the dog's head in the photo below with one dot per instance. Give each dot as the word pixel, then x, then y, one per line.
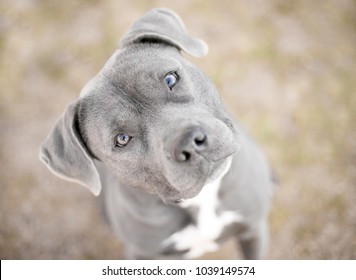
pixel 150 116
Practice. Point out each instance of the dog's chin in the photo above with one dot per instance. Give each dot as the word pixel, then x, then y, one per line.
pixel 216 171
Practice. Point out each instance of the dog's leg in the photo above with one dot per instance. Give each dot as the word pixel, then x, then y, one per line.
pixel 255 241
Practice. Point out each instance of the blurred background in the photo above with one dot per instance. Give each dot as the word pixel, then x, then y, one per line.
pixel 285 69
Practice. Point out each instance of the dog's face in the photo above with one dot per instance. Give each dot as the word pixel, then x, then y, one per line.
pixel 150 116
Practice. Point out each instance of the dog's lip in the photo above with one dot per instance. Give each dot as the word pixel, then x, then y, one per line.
pixel 180 198
pixel 234 149
pixel 178 201
pixel 220 159
pixel 180 194
pixel 174 201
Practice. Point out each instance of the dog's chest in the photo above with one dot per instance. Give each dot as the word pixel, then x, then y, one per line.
pixel 200 238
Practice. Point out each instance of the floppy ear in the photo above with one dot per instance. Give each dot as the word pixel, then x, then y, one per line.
pixel 66 155
pixel 163 25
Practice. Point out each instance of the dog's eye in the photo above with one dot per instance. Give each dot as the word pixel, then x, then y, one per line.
pixel 122 140
pixel 171 79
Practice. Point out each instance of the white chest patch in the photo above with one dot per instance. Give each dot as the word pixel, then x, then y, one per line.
pixel 200 238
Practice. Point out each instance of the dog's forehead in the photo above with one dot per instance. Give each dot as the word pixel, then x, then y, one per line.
pixel 137 76
pixel 130 83
pixel 137 64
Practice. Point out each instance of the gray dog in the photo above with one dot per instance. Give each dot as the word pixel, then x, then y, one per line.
pixel 177 176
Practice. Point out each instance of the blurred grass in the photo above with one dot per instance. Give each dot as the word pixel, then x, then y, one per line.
pixel 286 69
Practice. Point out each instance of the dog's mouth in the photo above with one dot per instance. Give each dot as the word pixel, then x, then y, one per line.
pixel 217 169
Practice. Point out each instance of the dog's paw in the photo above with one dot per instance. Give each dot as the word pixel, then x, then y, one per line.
pixel 196 240
pixel 191 241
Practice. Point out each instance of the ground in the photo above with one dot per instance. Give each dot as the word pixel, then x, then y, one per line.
pixel 285 69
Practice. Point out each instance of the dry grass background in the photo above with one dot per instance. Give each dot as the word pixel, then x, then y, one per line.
pixel 286 69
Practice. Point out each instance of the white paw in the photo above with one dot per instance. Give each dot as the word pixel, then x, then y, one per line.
pixel 184 239
pixel 229 217
pixel 191 239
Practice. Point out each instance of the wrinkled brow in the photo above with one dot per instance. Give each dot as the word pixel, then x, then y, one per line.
pixel 138 105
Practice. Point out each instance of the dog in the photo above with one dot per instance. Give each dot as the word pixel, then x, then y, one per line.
pixel 177 175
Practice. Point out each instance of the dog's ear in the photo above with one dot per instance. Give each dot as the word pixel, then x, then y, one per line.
pixel 163 25
pixel 66 155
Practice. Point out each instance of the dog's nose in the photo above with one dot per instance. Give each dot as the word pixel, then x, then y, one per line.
pixel 191 143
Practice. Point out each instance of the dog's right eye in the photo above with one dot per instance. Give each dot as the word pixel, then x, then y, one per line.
pixel 171 79
pixel 122 140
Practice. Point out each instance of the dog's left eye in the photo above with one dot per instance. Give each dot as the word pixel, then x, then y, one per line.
pixel 171 79
pixel 122 140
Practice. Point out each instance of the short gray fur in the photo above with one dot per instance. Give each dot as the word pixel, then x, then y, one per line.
pixel 142 183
